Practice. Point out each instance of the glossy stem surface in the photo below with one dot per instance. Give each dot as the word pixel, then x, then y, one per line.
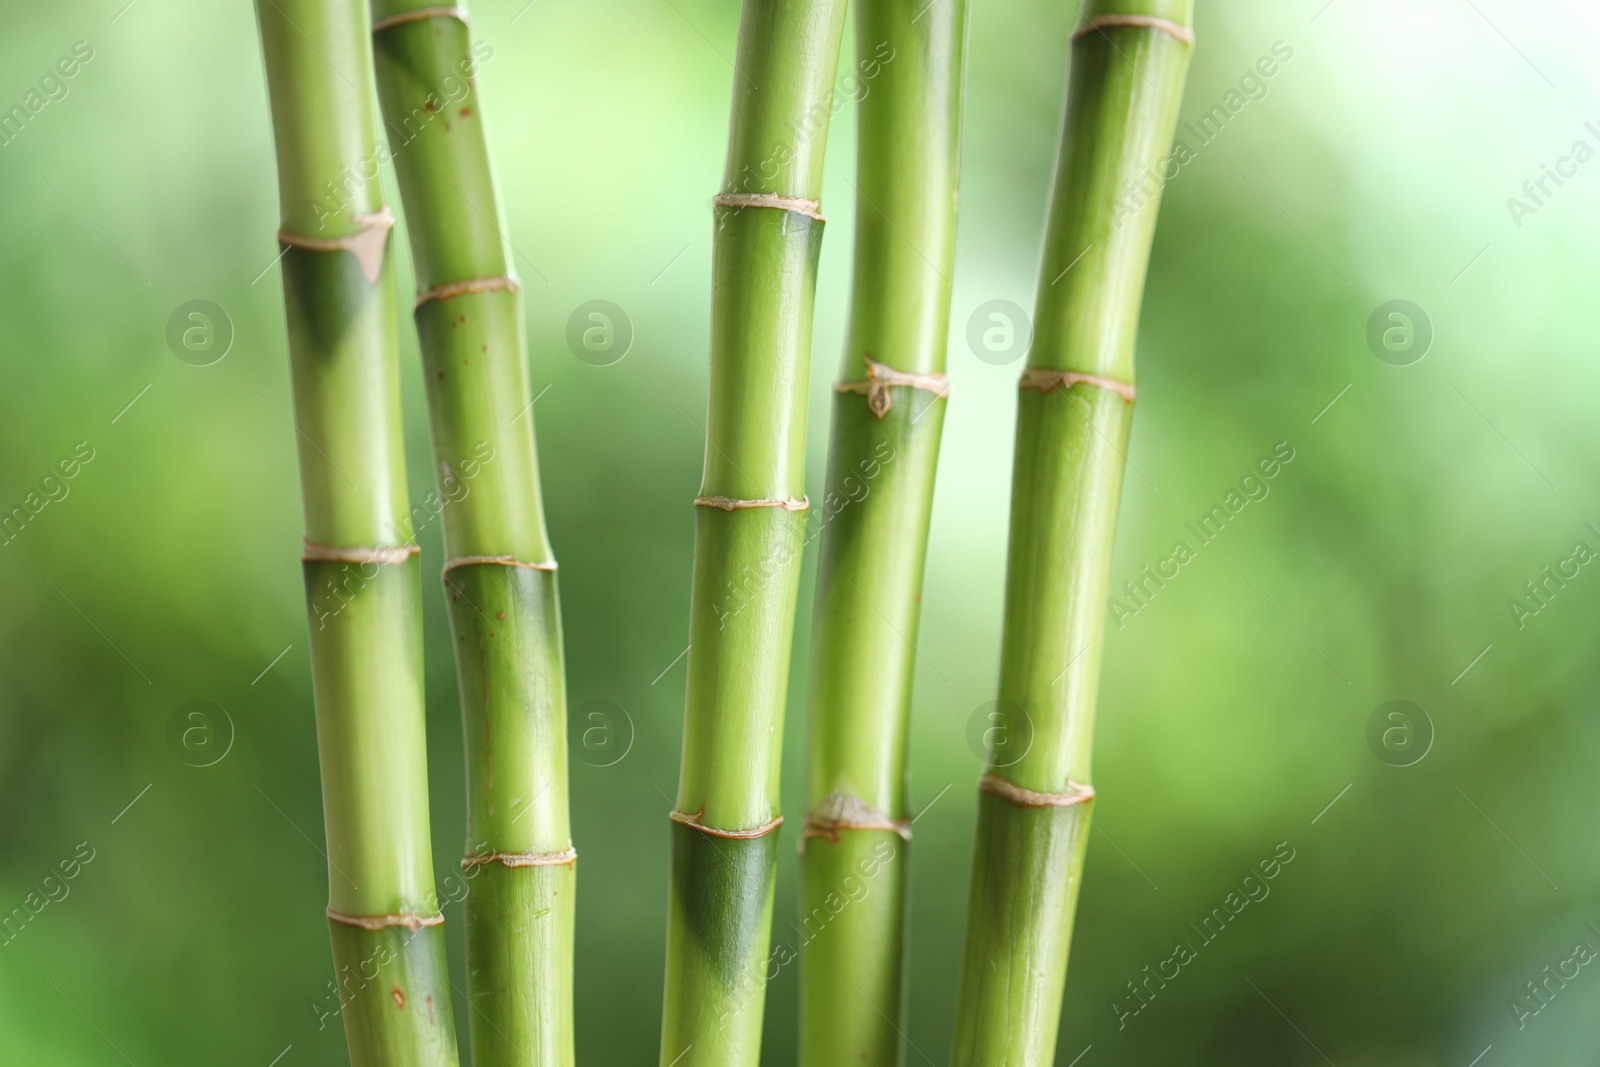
pixel 499 577
pixel 363 597
pixel 873 522
pixel 1129 61
pixel 749 533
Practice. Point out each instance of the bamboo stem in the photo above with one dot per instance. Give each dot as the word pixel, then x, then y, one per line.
pixel 1129 60
pixel 500 577
pixel 748 533
pixel 361 574
pixel 888 414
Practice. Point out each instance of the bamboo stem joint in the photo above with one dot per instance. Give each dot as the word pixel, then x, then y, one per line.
pixel 312 552
pixel 881 378
pixel 694 823
pixel 418 15
pixel 841 811
pixel 503 283
pixel 1134 22
pixel 366 244
pixel 520 859
pixel 811 209
pixel 730 504
pixel 1019 797
pixel 381 922
pixel 1048 381
pixel 500 561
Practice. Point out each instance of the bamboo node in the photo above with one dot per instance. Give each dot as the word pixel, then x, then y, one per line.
pixel 504 283
pixel 730 504
pixel 693 822
pixel 419 14
pixel 383 922
pixel 1047 381
pixel 881 378
pixel 520 859
pixel 842 811
pixel 1019 797
pixel 312 552
pixel 501 561
pixel 1134 22
pixel 811 209
pixel 367 244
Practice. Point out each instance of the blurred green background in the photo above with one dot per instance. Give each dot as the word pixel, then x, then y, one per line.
pixel 1374 165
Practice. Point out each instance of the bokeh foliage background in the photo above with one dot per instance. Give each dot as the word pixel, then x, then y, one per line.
pixel 1236 705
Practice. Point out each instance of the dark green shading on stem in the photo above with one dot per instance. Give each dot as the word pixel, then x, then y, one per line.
pixel 388 1008
pixel 748 532
pixel 1129 60
pixel 874 526
pixel 361 576
pixel 499 579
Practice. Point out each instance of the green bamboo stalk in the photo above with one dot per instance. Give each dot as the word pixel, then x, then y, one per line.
pixel 500 572
pixel 888 414
pixel 749 520
pixel 1129 61
pixel 363 595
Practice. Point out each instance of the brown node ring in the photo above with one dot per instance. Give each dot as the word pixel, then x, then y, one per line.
pixel 729 504
pixel 1135 22
pixel 881 378
pixel 1019 797
pixel 499 561
pixel 520 859
pixel 419 14
pixel 504 283
pixel 367 244
pixel 383 922
pixel 1048 381
pixel 312 552
pixel 693 822
pixel 841 811
pixel 811 209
